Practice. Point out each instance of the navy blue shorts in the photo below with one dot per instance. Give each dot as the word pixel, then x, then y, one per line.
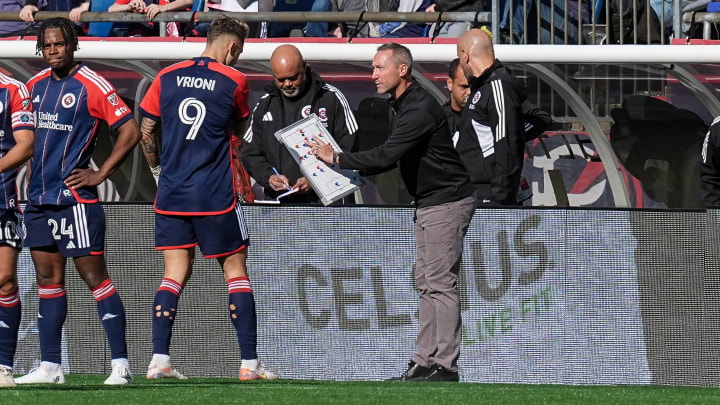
pixel 11 228
pixel 217 235
pixel 77 230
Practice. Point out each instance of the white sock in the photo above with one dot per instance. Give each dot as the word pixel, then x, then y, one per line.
pixel 249 364
pixel 52 367
pixel 120 362
pixel 7 367
pixel 160 359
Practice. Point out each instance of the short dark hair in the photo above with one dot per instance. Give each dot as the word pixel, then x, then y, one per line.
pixel 453 68
pixel 225 25
pixel 67 27
pixel 400 54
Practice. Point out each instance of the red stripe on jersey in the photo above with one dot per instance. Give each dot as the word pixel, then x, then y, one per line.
pixel 51 291
pixel 104 290
pixel 240 97
pixel 82 200
pixel 43 74
pixel 151 101
pixel 225 254
pixel 11 300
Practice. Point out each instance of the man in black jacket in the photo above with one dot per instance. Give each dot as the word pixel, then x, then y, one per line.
pixel 296 93
pixel 710 168
pixel 459 88
pixel 429 165
pixel 491 137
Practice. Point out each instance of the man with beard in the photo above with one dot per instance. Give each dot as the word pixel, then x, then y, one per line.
pixel 296 93
pixel 459 88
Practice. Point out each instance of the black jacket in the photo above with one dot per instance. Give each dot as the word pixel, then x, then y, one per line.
pixel 453 117
pixel 262 151
pixel 492 138
pixel 420 140
pixel 710 168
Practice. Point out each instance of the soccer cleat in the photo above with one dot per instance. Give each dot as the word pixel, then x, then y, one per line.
pixel 260 373
pixel 42 375
pixel 120 375
pixel 6 378
pixel 155 371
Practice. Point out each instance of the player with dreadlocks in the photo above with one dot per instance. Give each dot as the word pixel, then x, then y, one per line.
pixel 63 217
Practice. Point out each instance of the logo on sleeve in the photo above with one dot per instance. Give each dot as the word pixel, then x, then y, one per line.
pixel 26 103
pixel 322 114
pixel 120 111
pixel 68 100
pixel 305 112
pixel 113 99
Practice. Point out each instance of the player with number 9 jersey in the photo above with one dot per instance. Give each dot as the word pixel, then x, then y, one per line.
pixel 195 101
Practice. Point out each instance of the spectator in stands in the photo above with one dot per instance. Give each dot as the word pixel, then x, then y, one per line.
pixel 343 29
pixel 151 10
pixel 403 29
pixel 296 93
pixel 459 88
pixel 242 6
pixel 491 138
pixel 454 29
pixel 75 7
pixel 288 29
pixel 419 141
pixel 12 28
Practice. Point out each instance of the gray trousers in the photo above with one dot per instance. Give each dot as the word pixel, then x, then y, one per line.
pixel 440 232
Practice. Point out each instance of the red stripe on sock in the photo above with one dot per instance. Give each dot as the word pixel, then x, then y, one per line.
pixel 103 290
pixel 11 300
pixel 171 285
pixel 51 291
pixel 239 284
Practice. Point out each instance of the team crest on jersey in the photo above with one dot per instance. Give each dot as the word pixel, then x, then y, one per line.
pixel 113 99
pixel 305 112
pixel 322 114
pixel 476 97
pixel 68 100
pixel 26 104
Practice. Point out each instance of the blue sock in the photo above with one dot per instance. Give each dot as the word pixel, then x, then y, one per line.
pixel 112 315
pixel 242 314
pixel 9 325
pixel 164 314
pixel 52 309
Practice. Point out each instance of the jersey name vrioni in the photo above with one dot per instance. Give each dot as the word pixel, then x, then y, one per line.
pixel 15 114
pixel 196 101
pixel 67 113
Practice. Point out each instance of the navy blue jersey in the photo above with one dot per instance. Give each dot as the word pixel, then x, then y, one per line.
pixel 67 112
pixel 15 115
pixel 196 101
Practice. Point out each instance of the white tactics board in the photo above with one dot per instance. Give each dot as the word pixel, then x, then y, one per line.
pixel 330 182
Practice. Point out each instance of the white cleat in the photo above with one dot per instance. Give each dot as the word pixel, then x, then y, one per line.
pixel 120 376
pixel 6 378
pixel 44 374
pixel 166 371
pixel 260 373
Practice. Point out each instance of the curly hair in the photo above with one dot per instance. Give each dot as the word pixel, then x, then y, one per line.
pixel 67 28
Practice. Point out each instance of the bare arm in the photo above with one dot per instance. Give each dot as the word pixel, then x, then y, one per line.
pixel 21 152
pixel 150 141
pixel 128 137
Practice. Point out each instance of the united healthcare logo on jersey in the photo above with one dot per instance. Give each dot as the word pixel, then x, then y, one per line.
pixel 68 100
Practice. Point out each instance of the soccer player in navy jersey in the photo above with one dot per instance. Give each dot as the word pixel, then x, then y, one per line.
pixel 201 104
pixel 63 217
pixel 16 146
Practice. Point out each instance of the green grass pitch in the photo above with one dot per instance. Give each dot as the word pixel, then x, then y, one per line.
pixel 88 389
